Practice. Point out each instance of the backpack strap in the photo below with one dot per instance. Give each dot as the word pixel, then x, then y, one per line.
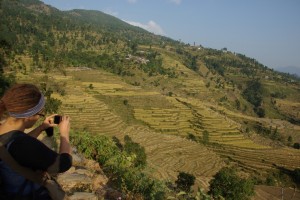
pixel 37 177
pixel 7 137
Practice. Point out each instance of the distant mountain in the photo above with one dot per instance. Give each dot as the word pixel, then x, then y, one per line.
pixel 290 70
pixel 100 19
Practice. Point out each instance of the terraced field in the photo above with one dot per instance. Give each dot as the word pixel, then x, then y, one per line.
pixel 166 154
pixel 260 160
pixel 221 128
pixel 166 123
pixel 189 81
pixel 190 116
pixel 275 193
pixel 170 120
pixel 284 127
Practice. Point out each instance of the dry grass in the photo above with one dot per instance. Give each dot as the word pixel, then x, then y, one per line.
pixel 275 193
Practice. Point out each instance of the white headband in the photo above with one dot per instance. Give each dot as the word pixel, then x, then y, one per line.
pixel 30 112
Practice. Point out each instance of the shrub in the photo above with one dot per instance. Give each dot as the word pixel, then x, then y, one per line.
pixel 228 185
pixel 125 102
pixel 296 175
pixel 118 165
pixel 205 137
pixel 192 137
pixel 185 181
pixel 136 151
pixel 237 104
pixel 253 93
pixel 296 145
pixel 260 111
pixel 270 180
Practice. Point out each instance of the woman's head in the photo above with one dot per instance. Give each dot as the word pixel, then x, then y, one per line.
pixel 21 101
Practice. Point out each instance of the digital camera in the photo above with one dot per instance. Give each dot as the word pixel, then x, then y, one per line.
pixel 57 119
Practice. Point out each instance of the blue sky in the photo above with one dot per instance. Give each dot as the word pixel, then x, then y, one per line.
pixel 267 30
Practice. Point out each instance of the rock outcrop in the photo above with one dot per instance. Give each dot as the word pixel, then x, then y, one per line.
pixel 85 180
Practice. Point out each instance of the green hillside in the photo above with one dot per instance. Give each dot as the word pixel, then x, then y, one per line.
pixel 193 109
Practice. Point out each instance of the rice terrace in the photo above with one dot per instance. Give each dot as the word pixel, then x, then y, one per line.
pixel 192 110
pixel 161 124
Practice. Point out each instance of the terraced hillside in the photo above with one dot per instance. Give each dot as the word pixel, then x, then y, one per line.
pixel 100 102
pixel 166 154
pixel 191 116
pixel 262 160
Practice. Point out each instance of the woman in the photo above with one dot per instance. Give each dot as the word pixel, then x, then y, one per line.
pixel 24 105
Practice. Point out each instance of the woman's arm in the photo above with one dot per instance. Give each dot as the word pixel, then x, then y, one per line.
pixel 64 128
pixel 64 161
pixel 46 124
pixel 37 131
pixel 32 153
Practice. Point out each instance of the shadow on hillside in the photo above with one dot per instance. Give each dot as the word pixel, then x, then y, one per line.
pixel 293 174
pixel 264 192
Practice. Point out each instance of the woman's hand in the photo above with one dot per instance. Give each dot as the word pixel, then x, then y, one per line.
pixel 48 122
pixel 64 126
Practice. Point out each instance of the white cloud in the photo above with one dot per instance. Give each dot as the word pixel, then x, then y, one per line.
pixel 151 26
pixel 177 2
pixel 132 1
pixel 110 12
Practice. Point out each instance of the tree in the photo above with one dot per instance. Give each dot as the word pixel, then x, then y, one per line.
pixel 191 136
pixel 290 140
pixel 296 175
pixel 4 83
pixel 136 150
pixel 125 102
pixel 253 93
pixel 117 142
pixel 193 63
pixel 5 48
pixel 259 111
pixel 185 181
pixel 228 185
pixel 296 145
pixel 270 180
pixel 52 104
pixel 133 47
pixel 237 104
pixel 205 137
